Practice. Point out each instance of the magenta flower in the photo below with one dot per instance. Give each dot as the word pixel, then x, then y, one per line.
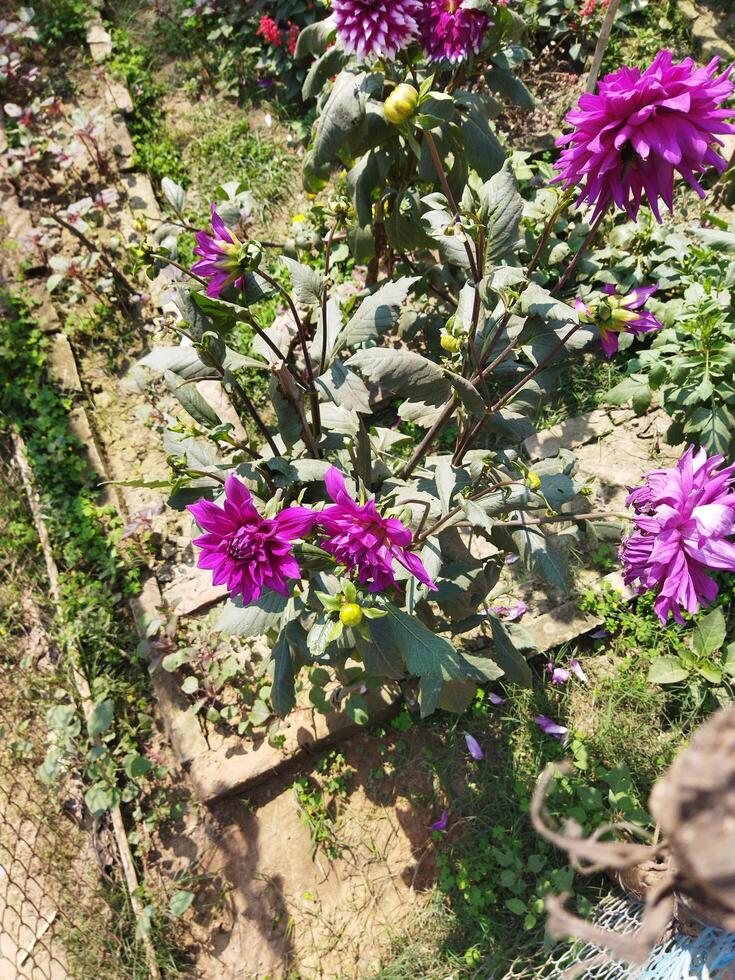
pixel 549 727
pixel 559 675
pixel 221 257
pixel 641 127
pixel 473 747
pixel 615 314
pixel 375 28
pixel 441 823
pixel 683 518
pixel 247 552
pixel 449 30
pixel 363 541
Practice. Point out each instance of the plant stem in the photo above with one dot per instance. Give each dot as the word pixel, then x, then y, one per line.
pixel 242 396
pixel 313 393
pixel 563 203
pixel 605 31
pixel 572 267
pixel 441 173
pixel 181 268
pixel 325 298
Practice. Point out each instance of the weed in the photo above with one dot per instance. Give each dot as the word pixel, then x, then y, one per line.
pixel 318 800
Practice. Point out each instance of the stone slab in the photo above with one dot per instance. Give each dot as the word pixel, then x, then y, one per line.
pixel 238 765
pixel 118 96
pixel 193 592
pixel 80 427
pixel 119 140
pixel 99 40
pixel 62 365
pixel 708 30
pixel 568 622
pixel 574 432
pixel 182 728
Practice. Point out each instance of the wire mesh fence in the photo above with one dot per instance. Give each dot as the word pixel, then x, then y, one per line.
pixel 64 911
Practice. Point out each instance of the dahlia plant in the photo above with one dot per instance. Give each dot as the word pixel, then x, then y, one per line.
pixel 359 552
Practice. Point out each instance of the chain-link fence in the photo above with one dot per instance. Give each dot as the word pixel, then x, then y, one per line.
pixel 64 911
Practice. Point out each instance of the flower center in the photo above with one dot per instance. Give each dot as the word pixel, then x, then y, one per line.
pixel 243 544
pixel 451 6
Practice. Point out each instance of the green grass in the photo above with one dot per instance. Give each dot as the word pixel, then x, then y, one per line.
pixel 659 25
pixel 223 146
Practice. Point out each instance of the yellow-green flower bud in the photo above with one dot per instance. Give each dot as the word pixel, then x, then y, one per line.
pixel 350 614
pixel 401 104
pixel 450 344
pixel 533 480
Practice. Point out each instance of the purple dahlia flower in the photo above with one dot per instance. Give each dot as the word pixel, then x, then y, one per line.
pixel 375 28
pixel 247 552
pixel 640 127
pixel 449 30
pixel 221 253
pixel 619 314
pixel 362 540
pixel 683 518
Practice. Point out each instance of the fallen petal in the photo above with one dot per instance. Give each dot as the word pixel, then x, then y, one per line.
pixel 473 747
pixel 559 675
pixel 576 668
pixel 441 823
pixel 550 727
pixel 495 699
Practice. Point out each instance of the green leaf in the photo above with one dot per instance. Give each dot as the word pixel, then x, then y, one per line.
pixel 484 150
pixel 183 361
pixel 329 64
pixel 425 653
pixel 345 388
pixel 137 765
pixel 101 717
pixel 376 314
pixel 174 194
pixel 283 694
pixel 627 390
pixel 666 670
pixel 516 906
pixel 307 283
pixel 180 902
pixel 314 38
pixel 253 620
pixel 501 208
pixel 507 651
pixel 405 373
pixel 98 799
pixel 190 398
pixel 542 556
pixel 381 657
pixel 466 392
pixel 357 709
pixel 145 921
pixel 709 633
pixel 342 115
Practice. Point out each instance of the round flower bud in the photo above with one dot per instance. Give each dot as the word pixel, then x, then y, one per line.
pixel 401 104
pixel 350 614
pixel 452 345
pixel 533 480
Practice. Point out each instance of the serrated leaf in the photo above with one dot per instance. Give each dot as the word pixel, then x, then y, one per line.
pixel 345 388
pixel 666 670
pixel 709 633
pixel 501 209
pixel 307 283
pixel 253 620
pixel 376 314
pixel 191 399
pixel 407 374
pixel 283 693
pixel 425 653
pixel 174 194
pixel 179 903
pixel 101 717
pixel 540 555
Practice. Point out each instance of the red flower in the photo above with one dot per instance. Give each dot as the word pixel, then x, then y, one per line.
pixel 269 30
pixel 588 8
pixel 293 35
